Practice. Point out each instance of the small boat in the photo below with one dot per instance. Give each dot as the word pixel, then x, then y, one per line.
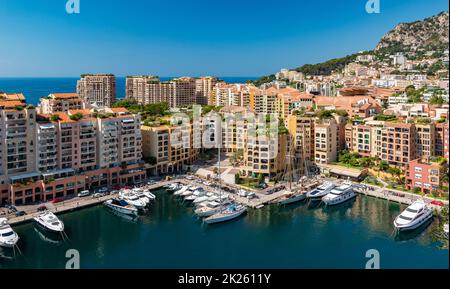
pixel 121 206
pixel 209 209
pixel 232 212
pixel 149 195
pixel 48 221
pixel 188 192
pixel 320 191
pixel 200 199
pixel 339 194
pixel 8 238
pixel 181 190
pixel 198 193
pixel 413 216
pixel 133 199
pixel 172 187
pixel 290 197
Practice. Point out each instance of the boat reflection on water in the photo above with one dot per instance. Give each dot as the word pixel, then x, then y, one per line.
pixel 402 236
pixel 49 237
pixel 7 254
pixel 341 207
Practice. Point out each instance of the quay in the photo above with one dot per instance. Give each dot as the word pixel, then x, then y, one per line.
pixel 397 196
pixel 68 205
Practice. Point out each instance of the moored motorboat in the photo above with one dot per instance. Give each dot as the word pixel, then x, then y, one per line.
pixel 290 197
pixel 8 238
pixel 208 209
pixel 413 216
pixel 121 206
pixel 320 191
pixel 133 199
pixel 339 194
pixel 48 221
pixel 233 211
pixel 181 190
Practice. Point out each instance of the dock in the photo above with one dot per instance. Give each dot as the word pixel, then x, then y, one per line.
pixel 69 205
pixel 397 196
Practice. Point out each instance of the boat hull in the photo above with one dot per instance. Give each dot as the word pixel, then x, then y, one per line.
pixel 416 224
pixel 211 220
pixel 292 200
pixel 339 200
pixel 42 226
pixel 122 210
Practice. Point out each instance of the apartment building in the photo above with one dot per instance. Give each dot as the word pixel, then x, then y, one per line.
pixel 398 143
pixel 60 102
pixel 144 89
pixel 441 139
pixel 424 175
pixel 44 157
pixel 266 154
pixel 97 89
pixel 425 140
pixel 301 130
pixel 203 88
pixel 264 101
pixel 362 140
pixel 293 100
pixel 168 148
pixel 326 140
pixel 149 89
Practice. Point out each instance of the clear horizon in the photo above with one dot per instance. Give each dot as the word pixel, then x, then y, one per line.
pixel 236 38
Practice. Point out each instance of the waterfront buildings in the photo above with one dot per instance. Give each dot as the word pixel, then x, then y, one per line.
pixel 425 175
pixel 168 148
pixel 47 156
pixel 97 89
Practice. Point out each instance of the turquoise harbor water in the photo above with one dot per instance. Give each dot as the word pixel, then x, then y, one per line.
pixel 170 236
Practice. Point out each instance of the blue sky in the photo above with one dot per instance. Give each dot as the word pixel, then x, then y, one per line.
pixel 190 37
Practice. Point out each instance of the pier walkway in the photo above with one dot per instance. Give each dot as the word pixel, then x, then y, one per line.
pixel 67 205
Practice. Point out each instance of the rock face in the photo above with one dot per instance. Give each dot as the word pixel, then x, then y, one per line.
pixel 428 34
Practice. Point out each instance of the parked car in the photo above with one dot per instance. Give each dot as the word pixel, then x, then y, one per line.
pixel 84 193
pixel 437 203
pixel 97 195
pixel 57 200
pixel 251 195
pixel 20 213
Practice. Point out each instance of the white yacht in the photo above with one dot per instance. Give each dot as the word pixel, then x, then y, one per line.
pixel 172 187
pixel 8 238
pixel 208 209
pixel 339 195
pixel 200 192
pixel 181 190
pixel 200 199
pixel 320 191
pixel 413 216
pixel 291 197
pixel 133 199
pixel 188 192
pixel 231 212
pixel 48 221
pixel 121 206
pixel 149 195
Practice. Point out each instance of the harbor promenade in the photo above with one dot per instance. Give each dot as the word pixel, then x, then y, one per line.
pixel 67 205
